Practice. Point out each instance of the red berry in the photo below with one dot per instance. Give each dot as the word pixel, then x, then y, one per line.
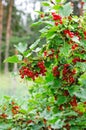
pixel 61 107
pixel 56 23
pixel 16 107
pixel 73 71
pixel 77 34
pixel 55 71
pixel 71 79
pixel 55 68
pixel 69 33
pixel 76 59
pixel 57 18
pixel 67 126
pixel 85 103
pixel 64 71
pixel 42 15
pixel 53 13
pixel 29 121
pixel 74 46
pixel 42 68
pixel 66 93
pixel 45 53
pixel 66 65
pixel 45 121
pixel 85 33
pixel 22 76
pixel 57 56
pixel 61 22
pixel 82 3
pixel 3 115
pixel 74 102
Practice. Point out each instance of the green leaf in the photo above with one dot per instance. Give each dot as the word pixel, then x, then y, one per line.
pixel 44 30
pixel 48 23
pixel 58 124
pixel 74 128
pixel 21 47
pixel 34 44
pixel 82 79
pixel 49 77
pixel 14 59
pixel 65 50
pixel 20 57
pixel 37 49
pixel 66 10
pixel 81 94
pixel 36 23
pixel 56 7
pixel 7 97
pixel 81 107
pixel 73 89
pixel 5 126
pixel 45 3
pixel 39 12
pixel 61 100
pixel 58 1
pixel 83 43
pixel 45 114
pixel 71 113
pixel 27 53
pixel 23 111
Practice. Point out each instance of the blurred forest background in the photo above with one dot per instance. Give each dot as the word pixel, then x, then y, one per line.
pixel 16 17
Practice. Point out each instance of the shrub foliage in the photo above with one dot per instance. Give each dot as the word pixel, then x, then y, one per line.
pixel 56 63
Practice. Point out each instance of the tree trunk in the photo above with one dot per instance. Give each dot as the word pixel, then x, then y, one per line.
pixel 81 7
pixel 78 7
pixel 1 27
pixel 8 30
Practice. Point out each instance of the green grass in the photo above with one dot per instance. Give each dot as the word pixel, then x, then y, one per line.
pixel 12 85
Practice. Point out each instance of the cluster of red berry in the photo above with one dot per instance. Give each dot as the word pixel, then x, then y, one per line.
pixel 66 93
pixel 51 54
pixel 77 59
pixel 71 34
pixel 55 71
pixel 73 102
pixel 68 33
pixel 57 18
pixel 15 110
pixel 74 46
pixel 42 68
pixel 26 72
pixel 3 116
pixel 68 75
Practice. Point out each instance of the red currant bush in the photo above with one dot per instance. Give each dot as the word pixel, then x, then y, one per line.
pixel 58 70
